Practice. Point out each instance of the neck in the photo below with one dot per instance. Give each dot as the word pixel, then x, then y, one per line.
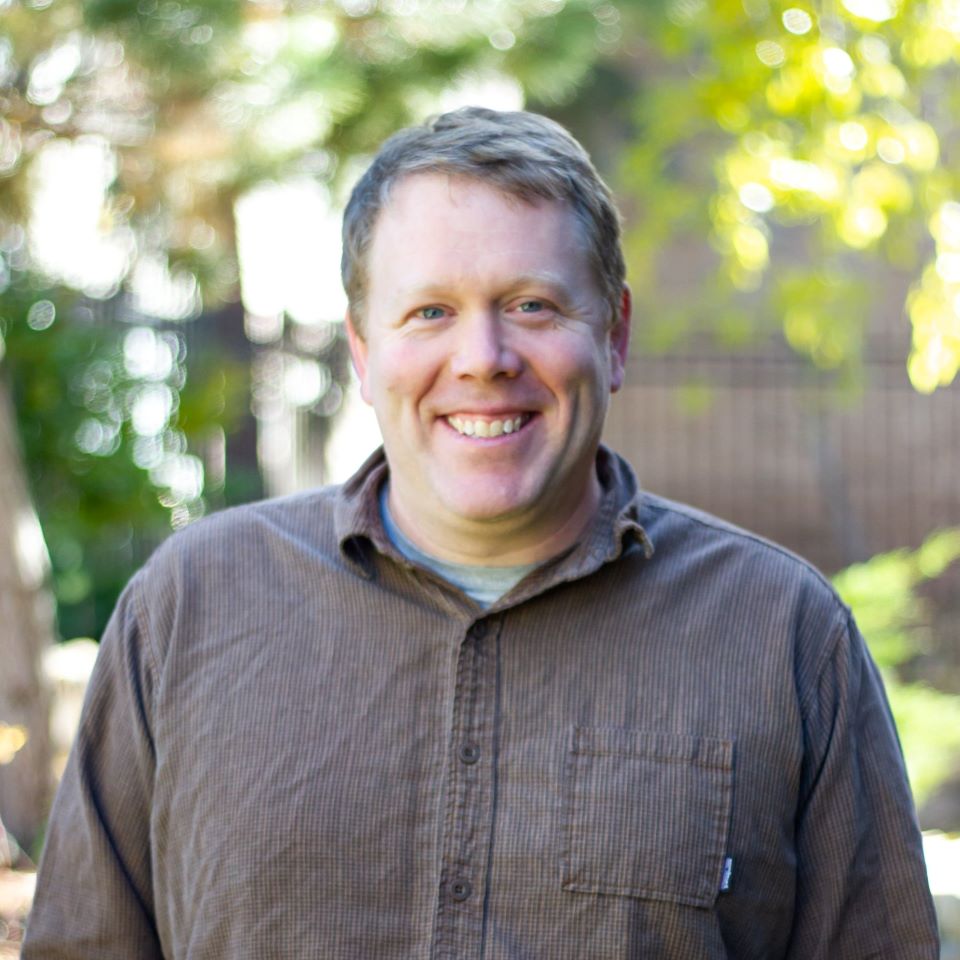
pixel 500 542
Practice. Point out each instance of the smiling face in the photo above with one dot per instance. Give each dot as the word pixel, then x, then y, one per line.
pixel 489 358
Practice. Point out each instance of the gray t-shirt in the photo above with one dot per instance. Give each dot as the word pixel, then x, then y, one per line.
pixel 484 584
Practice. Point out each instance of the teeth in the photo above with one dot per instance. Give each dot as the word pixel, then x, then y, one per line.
pixel 485 428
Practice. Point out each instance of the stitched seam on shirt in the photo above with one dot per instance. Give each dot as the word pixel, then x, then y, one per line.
pixel 494 786
pixel 634 740
pixel 658 758
pixel 468 779
pixel 641 893
pixel 567 811
pixel 440 912
pixel 665 506
pixel 143 622
pixel 830 651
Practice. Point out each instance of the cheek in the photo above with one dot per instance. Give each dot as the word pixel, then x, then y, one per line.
pixel 404 372
pixel 580 369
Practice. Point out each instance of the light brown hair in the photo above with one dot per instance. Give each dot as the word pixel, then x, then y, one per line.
pixel 525 155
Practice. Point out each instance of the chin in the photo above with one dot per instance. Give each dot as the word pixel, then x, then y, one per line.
pixel 487 508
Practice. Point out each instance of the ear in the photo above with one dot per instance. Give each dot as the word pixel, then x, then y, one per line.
pixel 358 354
pixel 620 341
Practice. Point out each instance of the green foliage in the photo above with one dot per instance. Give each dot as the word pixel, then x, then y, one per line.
pixel 928 721
pixel 201 101
pixel 817 137
pixel 884 596
pixel 99 431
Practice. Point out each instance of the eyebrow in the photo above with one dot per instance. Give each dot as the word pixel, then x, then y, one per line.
pixel 554 282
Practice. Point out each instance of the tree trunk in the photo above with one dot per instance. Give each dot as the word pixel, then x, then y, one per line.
pixel 27 628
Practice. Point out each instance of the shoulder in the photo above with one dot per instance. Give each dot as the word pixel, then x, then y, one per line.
pixel 219 574
pixel 727 568
pixel 245 544
pixel 306 515
pixel 683 534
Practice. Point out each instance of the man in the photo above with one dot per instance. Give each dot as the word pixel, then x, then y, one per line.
pixel 488 699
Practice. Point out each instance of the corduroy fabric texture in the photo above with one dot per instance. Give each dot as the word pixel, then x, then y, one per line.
pixel 669 743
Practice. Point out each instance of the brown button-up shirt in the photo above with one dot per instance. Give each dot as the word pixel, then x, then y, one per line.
pixel 669 742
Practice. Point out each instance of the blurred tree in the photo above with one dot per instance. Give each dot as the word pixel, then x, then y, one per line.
pixel 811 143
pixel 200 101
pixel 26 612
pixel 106 415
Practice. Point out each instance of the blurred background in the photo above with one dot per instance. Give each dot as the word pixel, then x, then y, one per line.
pixel 171 342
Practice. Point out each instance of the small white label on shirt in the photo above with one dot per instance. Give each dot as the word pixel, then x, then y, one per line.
pixel 727 874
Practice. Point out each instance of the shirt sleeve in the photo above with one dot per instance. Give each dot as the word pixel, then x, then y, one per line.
pixel 861 880
pixel 94 897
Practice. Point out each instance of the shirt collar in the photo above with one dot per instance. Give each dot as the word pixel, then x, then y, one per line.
pixel 614 531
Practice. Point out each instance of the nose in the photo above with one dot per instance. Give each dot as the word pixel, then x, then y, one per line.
pixel 483 349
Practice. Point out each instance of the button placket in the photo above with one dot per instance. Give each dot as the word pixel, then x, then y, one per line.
pixel 459 920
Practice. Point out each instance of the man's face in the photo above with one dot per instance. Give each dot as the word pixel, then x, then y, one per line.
pixel 489 358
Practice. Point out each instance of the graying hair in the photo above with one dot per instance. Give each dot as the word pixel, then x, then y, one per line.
pixel 523 154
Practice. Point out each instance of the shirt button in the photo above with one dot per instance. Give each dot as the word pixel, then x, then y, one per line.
pixel 460 890
pixel 479 630
pixel 469 752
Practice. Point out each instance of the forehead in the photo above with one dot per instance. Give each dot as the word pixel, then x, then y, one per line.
pixel 433 223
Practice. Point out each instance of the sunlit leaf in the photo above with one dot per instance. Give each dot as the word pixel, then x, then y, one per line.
pixel 12 740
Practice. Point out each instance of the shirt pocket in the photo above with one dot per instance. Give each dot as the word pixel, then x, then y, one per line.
pixel 646 814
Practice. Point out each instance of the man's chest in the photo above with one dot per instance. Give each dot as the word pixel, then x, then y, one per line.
pixel 494 788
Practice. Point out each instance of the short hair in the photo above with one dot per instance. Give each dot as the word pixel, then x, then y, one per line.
pixel 525 155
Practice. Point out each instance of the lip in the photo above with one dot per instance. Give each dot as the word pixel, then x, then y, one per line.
pixel 487 413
